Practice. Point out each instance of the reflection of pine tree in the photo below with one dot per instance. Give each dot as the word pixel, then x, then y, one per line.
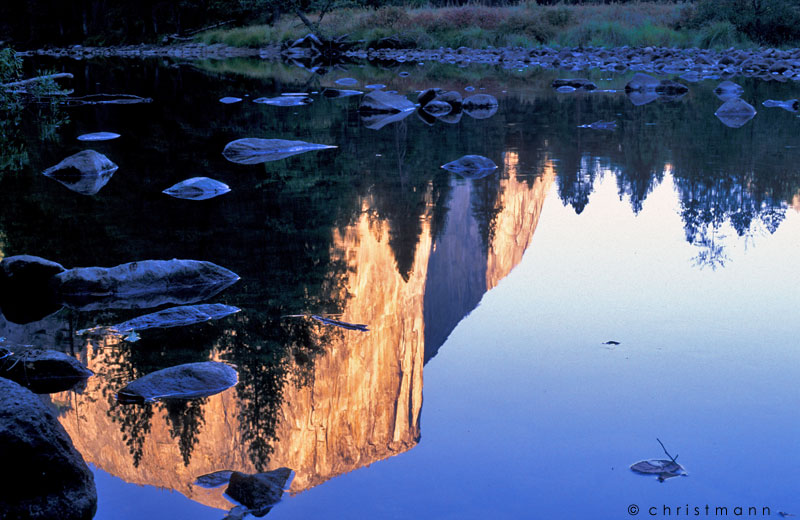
pixel 709 201
pixel 270 352
pixel 134 420
pixel 576 184
pixel 157 349
pixel 185 419
pixel 486 205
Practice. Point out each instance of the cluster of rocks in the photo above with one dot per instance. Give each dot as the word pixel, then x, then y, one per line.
pixel 51 479
pixel 696 64
pixel 192 51
pixel 693 64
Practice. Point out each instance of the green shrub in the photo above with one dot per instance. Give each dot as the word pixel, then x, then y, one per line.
pixel 774 22
pixel 529 27
pixel 558 17
pixel 718 35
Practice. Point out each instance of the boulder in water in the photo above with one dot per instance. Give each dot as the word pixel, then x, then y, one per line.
pixel 25 292
pixel 187 381
pixel 144 284
pixel 42 371
pixel 258 492
pixel 85 172
pixel 576 83
pixel 251 150
pixel 197 188
pixel 49 478
pixel 472 166
pixel 735 112
pixel 642 82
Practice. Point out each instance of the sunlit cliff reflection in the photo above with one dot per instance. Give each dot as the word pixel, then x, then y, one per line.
pixel 361 401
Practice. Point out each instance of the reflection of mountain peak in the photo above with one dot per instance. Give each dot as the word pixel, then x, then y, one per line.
pixel 362 401
pixel 461 270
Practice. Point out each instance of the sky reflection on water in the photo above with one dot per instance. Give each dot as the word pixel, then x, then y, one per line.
pixel 673 235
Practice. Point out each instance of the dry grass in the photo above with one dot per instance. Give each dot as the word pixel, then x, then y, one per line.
pixel 522 25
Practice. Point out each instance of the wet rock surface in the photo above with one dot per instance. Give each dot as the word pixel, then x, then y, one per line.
pixel 85 172
pixel 187 381
pixel 50 478
pixel 735 112
pixel 197 188
pixel 25 293
pixel 144 284
pixel 42 371
pixel 471 166
pixel 258 492
pixel 251 150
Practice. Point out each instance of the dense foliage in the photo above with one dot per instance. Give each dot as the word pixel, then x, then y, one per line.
pixel 99 22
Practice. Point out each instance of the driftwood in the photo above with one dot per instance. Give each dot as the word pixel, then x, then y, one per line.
pixel 36 80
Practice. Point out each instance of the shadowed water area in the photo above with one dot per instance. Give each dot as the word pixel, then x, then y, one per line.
pixel 671 235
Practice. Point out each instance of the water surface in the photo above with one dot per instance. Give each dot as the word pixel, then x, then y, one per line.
pixel 673 235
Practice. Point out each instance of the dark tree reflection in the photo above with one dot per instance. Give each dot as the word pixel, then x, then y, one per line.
pixel 185 419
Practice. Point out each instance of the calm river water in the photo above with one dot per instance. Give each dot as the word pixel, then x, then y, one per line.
pixel 484 387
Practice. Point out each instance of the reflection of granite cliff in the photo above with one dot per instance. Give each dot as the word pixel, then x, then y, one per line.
pixel 364 398
pixel 362 405
pixel 459 272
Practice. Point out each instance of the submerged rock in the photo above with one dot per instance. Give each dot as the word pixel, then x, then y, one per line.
pixel 452 118
pixel 380 101
pixel 480 106
pixel 258 492
pixel 284 101
pixel 25 292
pixel 427 95
pixel 187 381
pixel 600 125
pixel 42 371
pixel 346 82
pixel 437 108
pixel 452 97
pixel 379 108
pixel 575 83
pixel 98 136
pixel 338 93
pixel 735 112
pixel 671 88
pixel 85 172
pixel 639 98
pixel 144 284
pixel 791 105
pixel 642 82
pixel 377 120
pixel 728 90
pixel 472 166
pixel 214 480
pixel 256 151
pixel 48 477
pixel 176 317
pixel 197 188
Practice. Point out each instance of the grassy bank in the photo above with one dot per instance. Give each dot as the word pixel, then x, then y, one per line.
pixel 677 24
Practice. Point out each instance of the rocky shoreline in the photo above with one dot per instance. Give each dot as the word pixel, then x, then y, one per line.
pixel 690 64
